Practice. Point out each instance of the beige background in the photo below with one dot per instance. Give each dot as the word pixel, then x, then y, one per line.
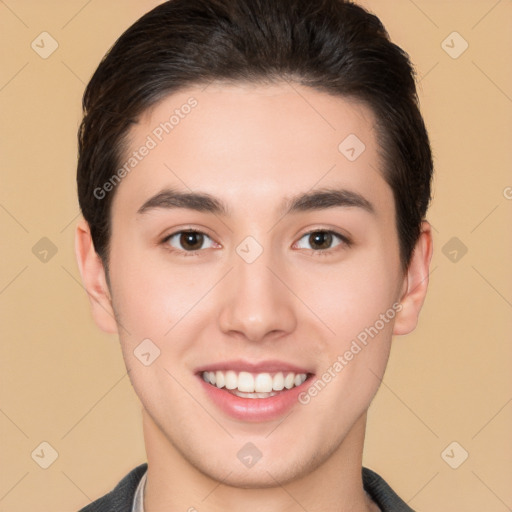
pixel 63 381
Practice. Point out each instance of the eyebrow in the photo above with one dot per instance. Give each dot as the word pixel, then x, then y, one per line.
pixel 318 199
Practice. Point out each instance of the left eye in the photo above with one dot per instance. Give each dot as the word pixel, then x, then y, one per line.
pixel 189 240
pixel 320 240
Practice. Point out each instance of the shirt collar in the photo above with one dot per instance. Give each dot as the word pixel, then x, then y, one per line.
pixel 138 500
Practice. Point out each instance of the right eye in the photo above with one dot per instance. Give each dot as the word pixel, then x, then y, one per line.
pixel 188 241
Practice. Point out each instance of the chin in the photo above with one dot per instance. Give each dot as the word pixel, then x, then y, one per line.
pixel 262 477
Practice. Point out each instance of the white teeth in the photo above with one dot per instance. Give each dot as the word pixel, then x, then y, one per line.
pixel 219 379
pixel 254 395
pixel 298 380
pixel 245 382
pixel 264 384
pixel 278 381
pixel 230 380
pixel 289 381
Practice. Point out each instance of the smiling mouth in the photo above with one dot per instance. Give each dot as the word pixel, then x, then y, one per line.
pixel 254 385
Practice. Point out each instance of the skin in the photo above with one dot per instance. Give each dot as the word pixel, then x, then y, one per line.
pixel 252 146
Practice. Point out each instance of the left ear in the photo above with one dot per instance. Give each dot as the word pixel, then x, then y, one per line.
pixel 415 283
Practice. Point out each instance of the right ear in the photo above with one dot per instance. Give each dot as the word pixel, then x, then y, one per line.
pixel 93 278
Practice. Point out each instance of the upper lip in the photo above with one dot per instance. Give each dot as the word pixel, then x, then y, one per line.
pixel 241 365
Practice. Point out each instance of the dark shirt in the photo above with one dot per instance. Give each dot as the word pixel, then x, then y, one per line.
pixel 120 499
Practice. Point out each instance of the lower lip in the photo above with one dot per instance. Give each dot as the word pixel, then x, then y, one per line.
pixel 254 409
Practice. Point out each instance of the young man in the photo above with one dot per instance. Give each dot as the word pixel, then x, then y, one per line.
pixel 254 177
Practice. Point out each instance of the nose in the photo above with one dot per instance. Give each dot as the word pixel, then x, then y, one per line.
pixel 256 303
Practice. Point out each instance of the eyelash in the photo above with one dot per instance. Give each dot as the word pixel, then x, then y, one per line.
pixel 344 241
pixel 317 252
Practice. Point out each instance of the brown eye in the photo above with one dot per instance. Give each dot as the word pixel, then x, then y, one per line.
pixel 188 241
pixel 191 241
pixel 320 239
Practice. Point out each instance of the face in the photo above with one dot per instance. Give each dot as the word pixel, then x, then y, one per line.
pixel 281 264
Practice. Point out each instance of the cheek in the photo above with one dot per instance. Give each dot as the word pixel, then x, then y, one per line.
pixel 151 298
pixel 352 297
pixel 358 304
pixel 159 310
pixel 360 310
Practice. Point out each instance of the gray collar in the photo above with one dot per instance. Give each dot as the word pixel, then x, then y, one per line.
pixel 138 500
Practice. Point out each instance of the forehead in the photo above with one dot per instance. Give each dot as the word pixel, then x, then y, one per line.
pixel 249 142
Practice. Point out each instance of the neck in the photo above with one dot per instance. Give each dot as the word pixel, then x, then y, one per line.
pixel 332 485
